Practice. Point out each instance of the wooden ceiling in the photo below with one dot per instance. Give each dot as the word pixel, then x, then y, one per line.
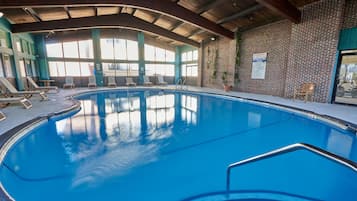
pixel 175 22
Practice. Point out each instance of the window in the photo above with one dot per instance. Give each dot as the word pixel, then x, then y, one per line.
pixel 160 69
pixel 7 65
pixel 54 50
pixel 75 69
pixel 119 49
pixel 22 68
pixel 121 69
pixel 189 70
pixel 189 67
pixel 85 49
pixel 70 49
pixel 2 73
pixel 158 54
pixel 18 46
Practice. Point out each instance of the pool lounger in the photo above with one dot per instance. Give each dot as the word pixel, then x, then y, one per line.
pixel 25 102
pixel 12 91
pixel 2 116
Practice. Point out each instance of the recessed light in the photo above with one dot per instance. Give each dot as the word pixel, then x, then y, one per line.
pixel 1 14
pixel 213 38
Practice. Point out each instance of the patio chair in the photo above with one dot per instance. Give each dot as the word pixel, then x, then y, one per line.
pixel 2 116
pixel 306 90
pixel 160 80
pixel 130 82
pixel 8 100
pixel 34 86
pixel 111 81
pixel 147 81
pixel 12 91
pixel 92 82
pixel 68 83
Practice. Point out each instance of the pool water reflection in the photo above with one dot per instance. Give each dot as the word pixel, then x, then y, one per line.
pixel 155 145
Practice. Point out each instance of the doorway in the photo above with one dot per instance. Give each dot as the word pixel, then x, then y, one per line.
pixel 346 78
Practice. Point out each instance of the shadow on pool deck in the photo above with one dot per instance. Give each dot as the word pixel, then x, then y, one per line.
pixel 17 115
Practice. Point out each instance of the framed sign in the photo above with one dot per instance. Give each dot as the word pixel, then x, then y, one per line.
pixel 259 65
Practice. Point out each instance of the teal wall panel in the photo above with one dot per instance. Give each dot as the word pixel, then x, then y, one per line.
pixel 348 39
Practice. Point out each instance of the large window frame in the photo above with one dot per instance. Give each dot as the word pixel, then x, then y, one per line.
pixel 78 61
pixel 159 61
pixel 189 63
pixel 120 58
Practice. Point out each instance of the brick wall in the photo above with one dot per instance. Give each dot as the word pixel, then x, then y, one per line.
pixel 313 47
pixel 273 39
pixel 350 16
pixel 225 62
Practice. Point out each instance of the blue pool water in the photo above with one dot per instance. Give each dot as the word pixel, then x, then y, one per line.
pixel 163 146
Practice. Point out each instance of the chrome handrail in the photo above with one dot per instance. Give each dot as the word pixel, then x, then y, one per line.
pixel 290 148
pixel 181 82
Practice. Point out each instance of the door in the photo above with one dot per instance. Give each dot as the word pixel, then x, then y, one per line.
pixel 346 78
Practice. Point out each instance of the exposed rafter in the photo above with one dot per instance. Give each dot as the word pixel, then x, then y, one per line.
pixel 33 14
pixel 67 11
pixel 156 18
pixel 166 7
pixel 283 8
pixel 105 21
pixel 133 12
pixel 95 11
pixel 175 26
pixel 194 33
pixel 240 14
pixel 209 6
pixel 120 9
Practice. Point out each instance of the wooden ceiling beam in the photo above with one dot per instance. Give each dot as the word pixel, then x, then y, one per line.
pixel 105 21
pixel 164 7
pixel 197 31
pixel 175 26
pixel 240 14
pixel 283 8
pixel 120 9
pixel 156 18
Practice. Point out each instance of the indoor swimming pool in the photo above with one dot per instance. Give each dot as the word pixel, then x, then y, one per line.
pixel 166 145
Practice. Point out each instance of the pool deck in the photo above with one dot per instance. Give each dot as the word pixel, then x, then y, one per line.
pixel 17 115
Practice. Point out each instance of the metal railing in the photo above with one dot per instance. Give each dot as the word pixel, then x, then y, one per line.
pixel 180 82
pixel 291 148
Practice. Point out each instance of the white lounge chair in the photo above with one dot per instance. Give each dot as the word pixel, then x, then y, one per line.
pixel 147 81
pixel 34 86
pixel 68 83
pixel 160 80
pixel 12 91
pixel 130 82
pixel 92 82
pixel 111 81
pixel 8 100
pixel 2 116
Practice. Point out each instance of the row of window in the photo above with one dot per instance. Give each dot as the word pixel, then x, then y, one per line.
pixel 76 49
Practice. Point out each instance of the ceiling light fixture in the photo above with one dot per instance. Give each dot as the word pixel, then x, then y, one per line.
pixel 1 14
pixel 213 38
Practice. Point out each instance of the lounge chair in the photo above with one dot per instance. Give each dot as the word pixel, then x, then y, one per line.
pixel 147 81
pixel 160 80
pixel 12 91
pixel 2 116
pixel 306 90
pixel 130 82
pixel 112 82
pixel 92 82
pixel 34 86
pixel 8 100
pixel 68 83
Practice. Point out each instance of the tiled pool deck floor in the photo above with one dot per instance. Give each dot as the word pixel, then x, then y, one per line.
pixel 16 115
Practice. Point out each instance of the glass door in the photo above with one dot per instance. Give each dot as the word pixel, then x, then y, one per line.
pixel 346 78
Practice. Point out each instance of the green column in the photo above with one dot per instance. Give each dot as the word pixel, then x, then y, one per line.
pixel 141 44
pixel 42 58
pixel 97 57
pixel 177 64
pixel 16 64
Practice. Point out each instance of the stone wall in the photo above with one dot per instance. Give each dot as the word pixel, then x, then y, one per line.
pixel 273 39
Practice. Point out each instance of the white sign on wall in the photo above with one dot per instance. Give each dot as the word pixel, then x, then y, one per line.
pixel 259 65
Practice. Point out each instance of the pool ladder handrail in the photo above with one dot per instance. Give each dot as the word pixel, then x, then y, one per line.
pixel 180 82
pixel 287 149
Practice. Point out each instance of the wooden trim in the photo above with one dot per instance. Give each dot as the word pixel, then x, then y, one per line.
pixel 107 21
pixel 283 8
pixel 166 7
